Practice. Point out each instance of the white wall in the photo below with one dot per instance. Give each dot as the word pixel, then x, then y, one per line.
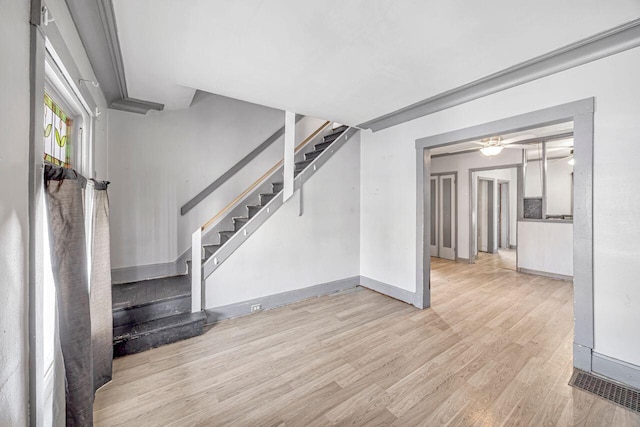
pixel 388 224
pixel 14 221
pixel 159 161
pixel 292 252
pixel 546 247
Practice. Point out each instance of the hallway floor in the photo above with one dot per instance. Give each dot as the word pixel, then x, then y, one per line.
pixel 495 349
pixel 505 258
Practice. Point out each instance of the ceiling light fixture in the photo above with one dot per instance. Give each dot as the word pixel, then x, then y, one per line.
pixel 492 146
pixel 572 160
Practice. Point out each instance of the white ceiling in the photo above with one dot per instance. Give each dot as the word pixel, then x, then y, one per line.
pixel 349 61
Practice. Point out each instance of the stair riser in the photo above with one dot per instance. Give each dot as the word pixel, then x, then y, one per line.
pixel 224 238
pixel 277 187
pixel 150 312
pixel 312 155
pixel 156 339
pixel 251 211
pixel 322 145
pixel 208 252
pixel 266 198
pixel 332 137
pixel 237 225
pixel 303 164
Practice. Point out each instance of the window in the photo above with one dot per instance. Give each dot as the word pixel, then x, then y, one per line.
pixel 548 180
pixel 57 134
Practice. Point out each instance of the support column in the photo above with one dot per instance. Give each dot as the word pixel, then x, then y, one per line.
pixel 289 148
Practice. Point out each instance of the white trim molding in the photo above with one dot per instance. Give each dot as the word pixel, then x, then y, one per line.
pixel 615 369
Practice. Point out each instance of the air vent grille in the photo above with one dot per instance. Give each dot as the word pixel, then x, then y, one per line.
pixel 614 392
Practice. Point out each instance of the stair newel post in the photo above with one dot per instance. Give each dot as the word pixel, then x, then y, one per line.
pixel 289 154
pixel 196 271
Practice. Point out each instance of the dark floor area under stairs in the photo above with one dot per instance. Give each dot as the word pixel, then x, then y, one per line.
pixel 155 312
pixel 152 313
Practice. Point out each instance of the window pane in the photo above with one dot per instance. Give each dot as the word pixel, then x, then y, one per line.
pixel 559 178
pixel 57 134
pixel 533 172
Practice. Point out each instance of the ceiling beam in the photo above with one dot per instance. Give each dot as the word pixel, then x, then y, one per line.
pixel 96 26
pixel 601 45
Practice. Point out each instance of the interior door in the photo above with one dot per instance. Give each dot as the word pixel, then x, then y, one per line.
pixel 483 218
pixel 434 216
pixel 447 213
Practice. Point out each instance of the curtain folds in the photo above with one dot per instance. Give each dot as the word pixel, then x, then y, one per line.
pixel 83 305
pixel 100 293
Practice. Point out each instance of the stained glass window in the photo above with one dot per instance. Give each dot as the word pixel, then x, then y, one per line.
pixel 57 134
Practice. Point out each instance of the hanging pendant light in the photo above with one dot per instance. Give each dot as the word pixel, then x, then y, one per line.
pixel 492 147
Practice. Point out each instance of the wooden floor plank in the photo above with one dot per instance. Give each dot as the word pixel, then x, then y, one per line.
pixel 494 349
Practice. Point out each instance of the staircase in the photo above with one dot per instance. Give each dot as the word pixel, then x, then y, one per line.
pixel 155 312
pixel 239 223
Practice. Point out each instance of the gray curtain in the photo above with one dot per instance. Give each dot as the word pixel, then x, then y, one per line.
pixel 100 293
pixel 65 210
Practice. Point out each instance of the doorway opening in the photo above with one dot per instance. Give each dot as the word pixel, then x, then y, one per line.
pixel 495 230
pixel 536 223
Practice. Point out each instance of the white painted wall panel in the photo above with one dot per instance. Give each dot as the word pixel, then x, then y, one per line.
pixel 546 247
pixel 389 183
pixel 291 252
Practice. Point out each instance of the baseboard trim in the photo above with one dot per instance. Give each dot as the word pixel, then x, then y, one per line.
pixel 216 314
pixel 581 357
pixel 546 274
pixel 513 246
pixel 462 260
pixel 388 290
pixel 144 272
pixel 615 369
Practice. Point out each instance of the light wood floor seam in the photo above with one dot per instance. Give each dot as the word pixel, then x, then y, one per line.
pixel 494 349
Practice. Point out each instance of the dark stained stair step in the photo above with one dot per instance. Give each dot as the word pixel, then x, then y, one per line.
pixel 210 250
pixel 239 222
pixel 130 339
pixel 277 187
pixel 322 145
pixel 252 210
pixel 150 299
pixel 331 137
pixel 303 164
pixel 266 198
pixel 311 155
pixel 225 235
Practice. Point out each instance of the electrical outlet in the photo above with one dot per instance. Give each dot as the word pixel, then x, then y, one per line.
pixel 256 307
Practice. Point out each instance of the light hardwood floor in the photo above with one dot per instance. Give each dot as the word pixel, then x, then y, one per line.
pixel 494 349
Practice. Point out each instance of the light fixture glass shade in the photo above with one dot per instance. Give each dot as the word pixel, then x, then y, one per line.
pixel 572 161
pixel 491 150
